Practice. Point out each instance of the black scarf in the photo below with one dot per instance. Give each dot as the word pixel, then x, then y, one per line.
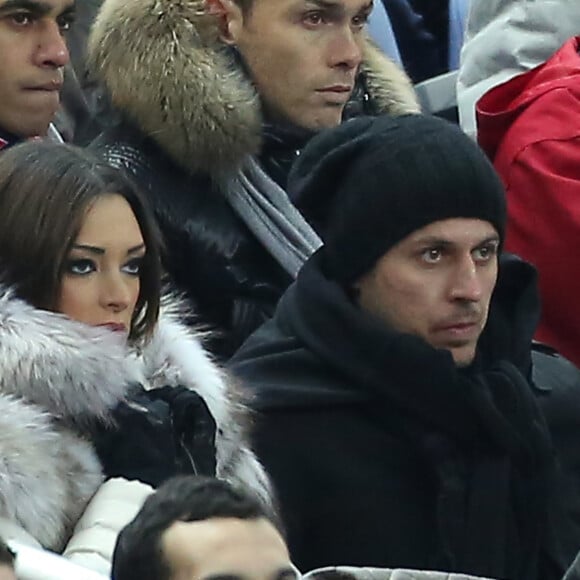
pixel 479 428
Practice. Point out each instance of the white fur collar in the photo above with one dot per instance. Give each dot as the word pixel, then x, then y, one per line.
pixel 73 370
pixel 165 67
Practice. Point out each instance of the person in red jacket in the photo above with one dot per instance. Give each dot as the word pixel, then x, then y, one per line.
pixel 530 129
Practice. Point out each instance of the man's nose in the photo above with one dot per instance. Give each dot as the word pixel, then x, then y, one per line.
pixel 346 50
pixel 52 49
pixel 466 283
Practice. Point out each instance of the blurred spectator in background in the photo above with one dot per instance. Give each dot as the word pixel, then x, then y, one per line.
pixel 381 31
pixel 424 35
pixel 505 38
pixel 530 128
pixel 78 118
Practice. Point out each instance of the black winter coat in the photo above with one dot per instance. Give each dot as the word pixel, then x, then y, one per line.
pixel 384 454
pixel 194 118
pixel 211 255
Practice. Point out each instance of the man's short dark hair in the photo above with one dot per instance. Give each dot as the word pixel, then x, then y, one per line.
pixel 7 556
pixel 139 555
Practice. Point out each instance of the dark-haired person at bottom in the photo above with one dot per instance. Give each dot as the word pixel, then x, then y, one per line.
pixel 200 528
pixel 405 416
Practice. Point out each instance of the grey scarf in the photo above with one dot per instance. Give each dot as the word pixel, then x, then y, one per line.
pixel 266 209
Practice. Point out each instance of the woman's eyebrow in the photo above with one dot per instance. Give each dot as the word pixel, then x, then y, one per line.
pixel 100 251
pixel 135 249
pixel 88 248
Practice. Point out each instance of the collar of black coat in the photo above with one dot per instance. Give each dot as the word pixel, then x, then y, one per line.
pixel 321 351
pixel 8 139
pixel 164 67
pixel 366 361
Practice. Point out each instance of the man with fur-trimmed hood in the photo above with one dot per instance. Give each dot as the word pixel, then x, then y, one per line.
pixel 216 99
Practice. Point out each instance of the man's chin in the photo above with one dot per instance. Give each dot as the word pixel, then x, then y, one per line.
pixel 328 119
pixel 463 356
pixel 319 119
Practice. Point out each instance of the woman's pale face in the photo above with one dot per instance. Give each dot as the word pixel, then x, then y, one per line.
pixel 101 280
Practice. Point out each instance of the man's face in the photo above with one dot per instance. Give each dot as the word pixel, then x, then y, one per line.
pixel 33 53
pixel 437 284
pixel 303 55
pixel 226 548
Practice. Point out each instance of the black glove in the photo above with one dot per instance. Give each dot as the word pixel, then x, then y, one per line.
pixel 157 434
pixel 194 429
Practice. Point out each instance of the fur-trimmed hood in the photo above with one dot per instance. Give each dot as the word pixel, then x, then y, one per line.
pixel 165 68
pixel 53 368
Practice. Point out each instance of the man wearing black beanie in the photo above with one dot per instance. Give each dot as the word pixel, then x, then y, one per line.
pixel 404 414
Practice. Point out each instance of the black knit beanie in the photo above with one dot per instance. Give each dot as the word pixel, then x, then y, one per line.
pixel 371 182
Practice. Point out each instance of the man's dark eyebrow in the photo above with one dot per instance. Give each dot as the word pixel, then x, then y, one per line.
pixel 445 243
pixel 69 10
pixel 36 7
pixel 338 7
pixel 489 240
pixel 327 5
pixel 432 241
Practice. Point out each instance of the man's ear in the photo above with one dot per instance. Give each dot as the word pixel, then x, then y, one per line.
pixel 230 18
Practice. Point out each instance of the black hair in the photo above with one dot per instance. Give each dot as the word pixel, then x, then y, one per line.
pixel 45 192
pixel 138 553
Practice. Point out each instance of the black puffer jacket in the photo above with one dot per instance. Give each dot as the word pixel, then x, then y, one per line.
pixel 191 119
pixel 211 255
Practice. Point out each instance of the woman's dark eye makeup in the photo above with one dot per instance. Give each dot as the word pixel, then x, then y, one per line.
pixel 133 266
pixel 80 266
pixel 83 266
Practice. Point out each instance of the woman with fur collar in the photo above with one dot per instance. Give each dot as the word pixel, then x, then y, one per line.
pixel 90 363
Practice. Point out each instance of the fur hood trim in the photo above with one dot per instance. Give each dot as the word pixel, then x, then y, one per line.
pixel 73 370
pixel 175 356
pixel 53 367
pixel 164 67
pixel 389 86
pixel 57 364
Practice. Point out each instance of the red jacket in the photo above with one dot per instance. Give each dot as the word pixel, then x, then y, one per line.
pixel 530 128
